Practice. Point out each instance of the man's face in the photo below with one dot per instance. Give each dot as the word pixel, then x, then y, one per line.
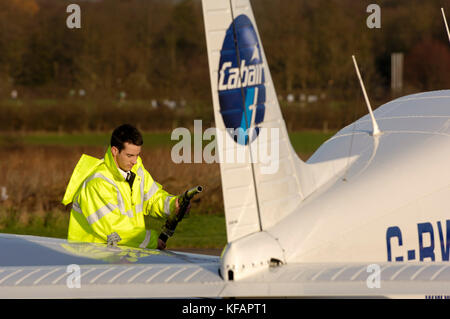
pixel 126 158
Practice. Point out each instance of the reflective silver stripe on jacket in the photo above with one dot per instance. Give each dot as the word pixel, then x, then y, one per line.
pixel 145 197
pixel 151 192
pixel 76 207
pixel 167 205
pixel 148 234
pixel 94 217
pixel 140 206
pixel 108 208
pixel 120 201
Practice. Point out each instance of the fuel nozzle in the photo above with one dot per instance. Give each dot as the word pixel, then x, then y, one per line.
pixel 172 221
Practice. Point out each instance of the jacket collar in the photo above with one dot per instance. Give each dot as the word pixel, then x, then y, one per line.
pixel 111 165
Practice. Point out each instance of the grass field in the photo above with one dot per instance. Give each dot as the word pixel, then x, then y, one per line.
pixel 195 231
pixel 79 139
pixel 304 143
pixel 33 205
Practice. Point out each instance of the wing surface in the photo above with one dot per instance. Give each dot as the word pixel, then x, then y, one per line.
pixel 39 267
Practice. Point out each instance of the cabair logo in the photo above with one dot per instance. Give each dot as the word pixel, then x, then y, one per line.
pixel 242 94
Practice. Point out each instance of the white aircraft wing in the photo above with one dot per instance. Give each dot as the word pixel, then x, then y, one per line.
pixel 39 267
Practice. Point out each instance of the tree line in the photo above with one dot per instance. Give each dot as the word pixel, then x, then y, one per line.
pixel 157 49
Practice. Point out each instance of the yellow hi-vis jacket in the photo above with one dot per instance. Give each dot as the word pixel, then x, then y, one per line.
pixel 104 203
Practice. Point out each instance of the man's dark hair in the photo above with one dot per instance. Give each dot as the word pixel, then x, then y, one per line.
pixel 126 133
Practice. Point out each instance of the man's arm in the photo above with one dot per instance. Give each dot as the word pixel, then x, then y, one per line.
pixel 158 203
pixel 161 204
pixel 162 244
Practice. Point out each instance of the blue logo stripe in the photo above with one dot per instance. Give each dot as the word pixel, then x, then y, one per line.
pixel 243 135
pixel 243 77
pixel 248 101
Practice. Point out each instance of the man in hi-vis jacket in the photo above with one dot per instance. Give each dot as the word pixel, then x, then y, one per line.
pixel 110 196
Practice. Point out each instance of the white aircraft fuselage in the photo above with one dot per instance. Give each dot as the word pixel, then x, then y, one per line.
pixel 392 203
pixel 388 204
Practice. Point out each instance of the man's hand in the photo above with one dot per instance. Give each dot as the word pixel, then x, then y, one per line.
pixel 177 207
pixel 161 244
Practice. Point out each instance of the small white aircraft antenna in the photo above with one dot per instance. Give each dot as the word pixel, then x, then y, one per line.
pixel 376 130
pixel 446 25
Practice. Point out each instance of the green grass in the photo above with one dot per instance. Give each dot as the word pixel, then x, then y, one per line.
pixel 83 139
pixel 308 141
pixel 305 142
pixel 51 224
pixel 195 231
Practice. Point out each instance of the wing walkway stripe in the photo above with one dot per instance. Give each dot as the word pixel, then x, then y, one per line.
pixel 414 276
pixel 338 273
pixel 45 276
pixel 120 274
pixel 26 276
pixel 10 275
pixel 101 274
pixel 174 274
pixel 138 274
pixel 192 275
pixel 156 274
pixel 318 274
pixel 438 273
pixel 357 273
pixel 395 275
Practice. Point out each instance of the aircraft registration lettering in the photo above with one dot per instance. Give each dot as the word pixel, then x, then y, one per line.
pixel 428 243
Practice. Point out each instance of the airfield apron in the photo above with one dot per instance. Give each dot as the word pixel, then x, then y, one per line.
pixel 104 204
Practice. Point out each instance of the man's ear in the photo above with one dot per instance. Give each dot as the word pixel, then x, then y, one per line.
pixel 114 151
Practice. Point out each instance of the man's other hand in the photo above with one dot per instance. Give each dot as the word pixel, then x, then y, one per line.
pixel 161 244
pixel 177 207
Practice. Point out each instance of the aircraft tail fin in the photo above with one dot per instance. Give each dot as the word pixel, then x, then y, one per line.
pixel 263 179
